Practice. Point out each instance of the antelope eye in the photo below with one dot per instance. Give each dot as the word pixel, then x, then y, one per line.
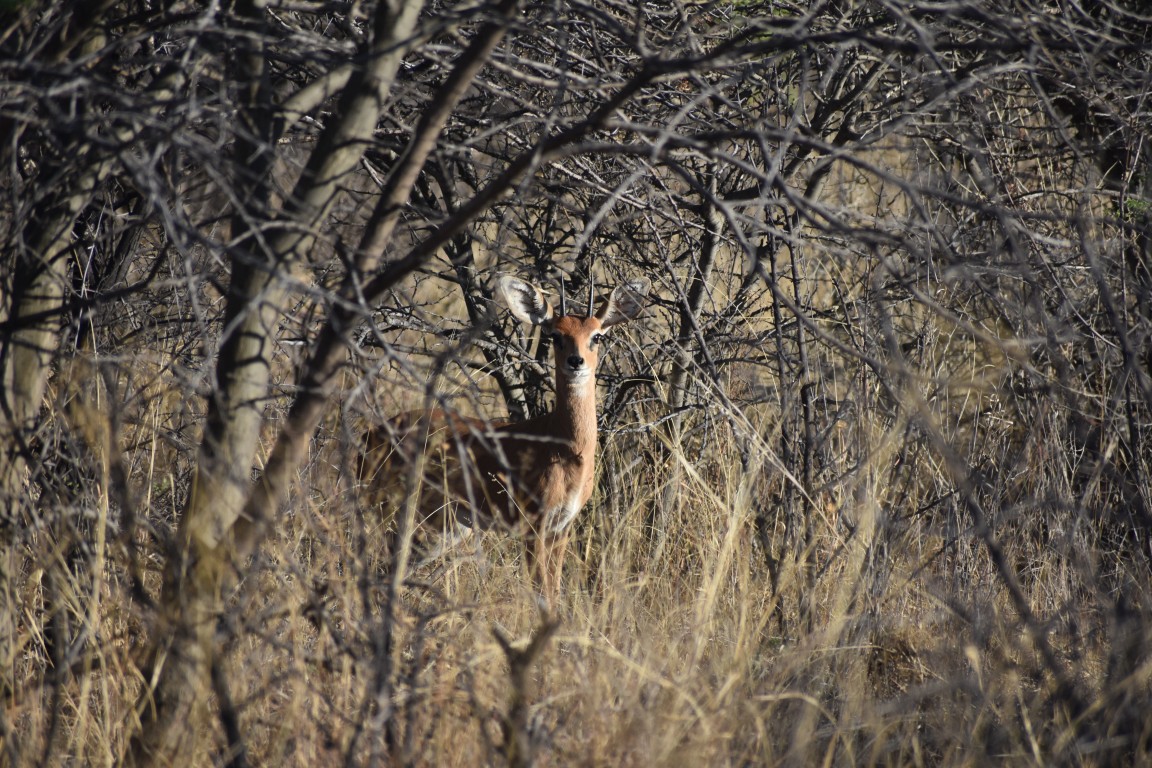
pixel 557 339
pixel 596 337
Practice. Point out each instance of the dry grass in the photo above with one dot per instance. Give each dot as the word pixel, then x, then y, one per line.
pixel 889 640
pixel 713 613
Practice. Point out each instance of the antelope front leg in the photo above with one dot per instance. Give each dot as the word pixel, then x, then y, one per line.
pixel 545 555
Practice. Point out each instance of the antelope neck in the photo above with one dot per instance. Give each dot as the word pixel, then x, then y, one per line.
pixel 575 414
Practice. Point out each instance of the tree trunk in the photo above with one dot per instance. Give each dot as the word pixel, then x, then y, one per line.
pixel 31 325
pixel 179 663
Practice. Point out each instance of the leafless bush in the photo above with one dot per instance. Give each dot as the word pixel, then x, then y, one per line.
pixel 877 460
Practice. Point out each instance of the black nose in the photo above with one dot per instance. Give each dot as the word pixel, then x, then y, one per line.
pixel 575 361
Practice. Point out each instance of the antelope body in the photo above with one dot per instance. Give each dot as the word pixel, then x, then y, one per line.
pixel 531 477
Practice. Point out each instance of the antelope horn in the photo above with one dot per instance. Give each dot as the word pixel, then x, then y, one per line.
pixel 591 294
pixel 563 299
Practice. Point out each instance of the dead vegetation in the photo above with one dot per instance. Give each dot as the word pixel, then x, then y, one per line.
pixel 874 485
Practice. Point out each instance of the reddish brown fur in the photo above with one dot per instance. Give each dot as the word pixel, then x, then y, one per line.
pixel 531 478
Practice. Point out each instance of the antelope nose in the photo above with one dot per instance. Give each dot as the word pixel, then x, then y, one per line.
pixel 575 361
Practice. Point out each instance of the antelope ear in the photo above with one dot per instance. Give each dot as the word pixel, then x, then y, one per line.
pixel 625 303
pixel 526 301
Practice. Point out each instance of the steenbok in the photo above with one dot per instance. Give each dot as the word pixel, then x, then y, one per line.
pixel 530 478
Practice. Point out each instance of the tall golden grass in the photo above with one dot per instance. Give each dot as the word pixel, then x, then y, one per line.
pixel 886 637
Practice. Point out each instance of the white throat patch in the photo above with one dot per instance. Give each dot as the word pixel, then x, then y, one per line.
pixel 580 381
